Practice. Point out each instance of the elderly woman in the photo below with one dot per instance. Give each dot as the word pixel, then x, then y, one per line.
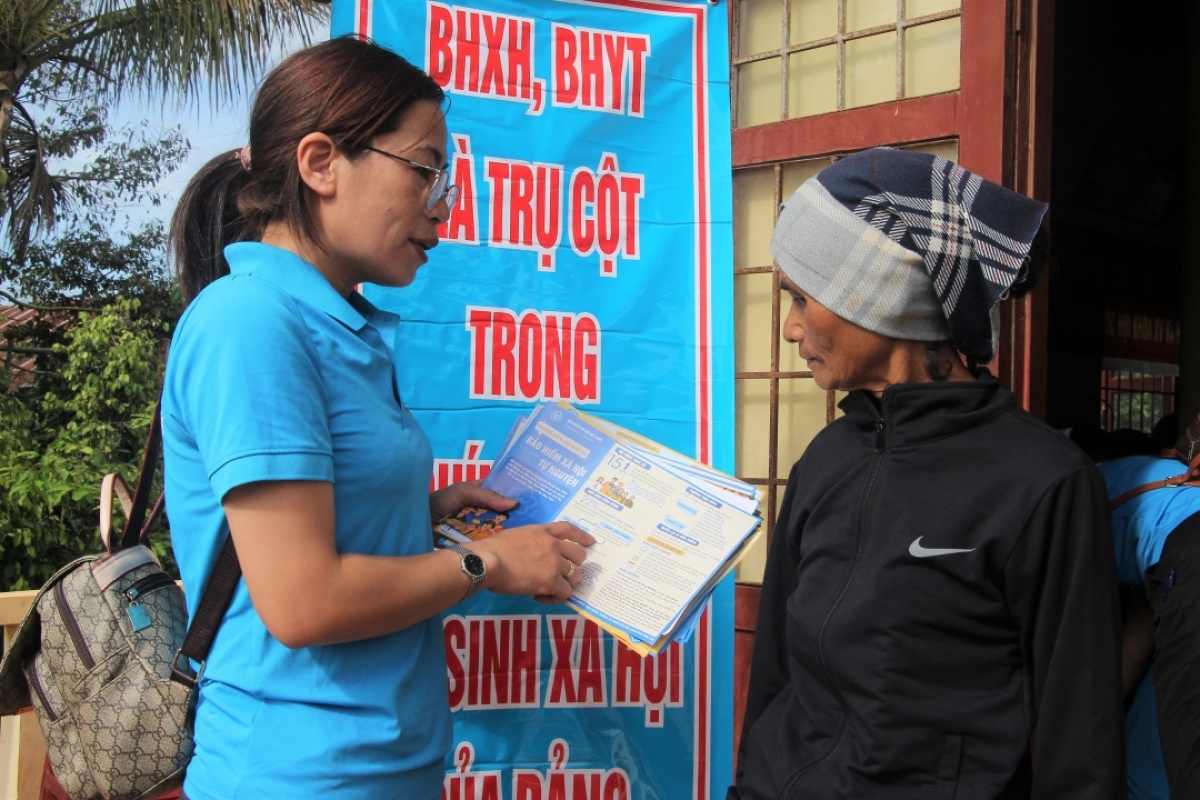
pixel 939 616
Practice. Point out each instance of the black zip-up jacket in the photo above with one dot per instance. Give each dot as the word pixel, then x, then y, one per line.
pixel 940 584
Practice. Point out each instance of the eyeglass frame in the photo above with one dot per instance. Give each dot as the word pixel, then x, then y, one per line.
pixel 448 191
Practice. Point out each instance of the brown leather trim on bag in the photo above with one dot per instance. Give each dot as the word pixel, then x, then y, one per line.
pixel 213 604
pixel 1189 478
pixel 135 531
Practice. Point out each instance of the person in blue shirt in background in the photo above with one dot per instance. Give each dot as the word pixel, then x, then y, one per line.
pixel 1156 534
pixel 284 427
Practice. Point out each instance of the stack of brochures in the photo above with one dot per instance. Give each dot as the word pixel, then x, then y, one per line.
pixel 667 527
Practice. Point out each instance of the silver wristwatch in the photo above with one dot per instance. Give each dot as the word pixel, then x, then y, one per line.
pixel 472 565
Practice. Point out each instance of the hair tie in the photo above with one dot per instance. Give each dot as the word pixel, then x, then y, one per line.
pixel 243 156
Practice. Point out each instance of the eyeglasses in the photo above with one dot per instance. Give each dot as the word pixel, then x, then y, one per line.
pixel 441 187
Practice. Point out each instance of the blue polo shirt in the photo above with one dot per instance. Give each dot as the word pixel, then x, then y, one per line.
pixel 1140 529
pixel 273 375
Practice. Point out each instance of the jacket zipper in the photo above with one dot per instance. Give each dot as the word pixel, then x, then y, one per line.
pixel 146 584
pixel 72 626
pixel 35 681
pixel 880 444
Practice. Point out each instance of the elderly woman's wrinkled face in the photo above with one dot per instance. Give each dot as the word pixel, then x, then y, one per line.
pixel 840 354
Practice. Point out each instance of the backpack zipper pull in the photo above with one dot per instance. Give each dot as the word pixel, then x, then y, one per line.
pixel 138 617
pixel 879 426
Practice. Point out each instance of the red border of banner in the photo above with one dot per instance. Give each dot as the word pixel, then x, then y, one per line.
pixel 703 718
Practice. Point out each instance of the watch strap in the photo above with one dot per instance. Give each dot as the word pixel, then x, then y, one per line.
pixel 463 553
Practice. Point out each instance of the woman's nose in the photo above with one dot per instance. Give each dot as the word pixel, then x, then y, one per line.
pixel 440 213
pixel 793 327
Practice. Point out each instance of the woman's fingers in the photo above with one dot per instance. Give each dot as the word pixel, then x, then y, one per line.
pixel 453 498
pixel 542 561
pixel 570 533
pixel 476 495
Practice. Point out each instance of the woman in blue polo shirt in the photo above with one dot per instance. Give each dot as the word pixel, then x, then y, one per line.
pixel 283 426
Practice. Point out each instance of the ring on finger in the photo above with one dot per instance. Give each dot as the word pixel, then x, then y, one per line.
pixel 571 571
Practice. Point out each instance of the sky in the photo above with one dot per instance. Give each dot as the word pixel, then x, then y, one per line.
pixel 210 127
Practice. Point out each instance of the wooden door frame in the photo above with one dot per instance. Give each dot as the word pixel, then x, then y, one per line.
pixel 1025 323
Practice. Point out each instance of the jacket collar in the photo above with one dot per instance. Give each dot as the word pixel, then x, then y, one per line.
pixel 300 279
pixel 915 413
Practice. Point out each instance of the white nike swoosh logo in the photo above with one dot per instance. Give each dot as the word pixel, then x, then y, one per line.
pixel 916 550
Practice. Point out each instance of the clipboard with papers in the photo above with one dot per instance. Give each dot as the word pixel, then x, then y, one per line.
pixel 667 527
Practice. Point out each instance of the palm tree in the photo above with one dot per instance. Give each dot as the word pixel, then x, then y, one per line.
pixel 163 47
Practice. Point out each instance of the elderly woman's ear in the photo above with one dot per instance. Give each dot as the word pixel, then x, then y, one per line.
pixel 941 360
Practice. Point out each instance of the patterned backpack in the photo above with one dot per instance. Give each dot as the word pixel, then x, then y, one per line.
pixel 103 656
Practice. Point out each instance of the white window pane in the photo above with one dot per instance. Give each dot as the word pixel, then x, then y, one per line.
pixel 802 411
pixel 812 82
pixel 871 70
pixel 919 8
pixel 797 172
pixel 753 426
pixel 931 57
pixel 761 26
pixel 863 14
pixel 758 93
pixel 812 20
pixel 752 304
pixel 754 206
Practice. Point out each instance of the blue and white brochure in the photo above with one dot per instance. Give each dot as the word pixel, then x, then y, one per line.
pixel 661 539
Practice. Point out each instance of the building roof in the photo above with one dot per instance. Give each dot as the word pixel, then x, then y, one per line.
pixel 21 366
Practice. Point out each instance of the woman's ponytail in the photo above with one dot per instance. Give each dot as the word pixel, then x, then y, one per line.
pixel 205 221
pixel 349 89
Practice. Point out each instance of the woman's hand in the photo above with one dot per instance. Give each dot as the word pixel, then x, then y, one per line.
pixel 285 533
pixel 447 501
pixel 541 561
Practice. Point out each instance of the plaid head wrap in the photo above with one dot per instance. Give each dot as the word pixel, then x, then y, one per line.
pixel 908 245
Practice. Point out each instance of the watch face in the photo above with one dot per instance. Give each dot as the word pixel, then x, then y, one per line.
pixel 473 565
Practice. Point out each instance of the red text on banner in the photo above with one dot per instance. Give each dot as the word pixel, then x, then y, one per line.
pixel 563 783
pixel 496 662
pixel 448 471
pixel 577 672
pixel 462 227
pixel 463 784
pixel 493 662
pixel 483 53
pixel 526 207
pixel 599 70
pixel 534 355
pixel 604 211
pixel 655 682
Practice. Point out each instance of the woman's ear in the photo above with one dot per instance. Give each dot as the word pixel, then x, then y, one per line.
pixel 317 158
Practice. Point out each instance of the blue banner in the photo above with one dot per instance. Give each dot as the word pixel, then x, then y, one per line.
pixel 588 259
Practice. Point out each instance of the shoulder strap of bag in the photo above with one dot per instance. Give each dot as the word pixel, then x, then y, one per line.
pixel 221 585
pixel 137 524
pixel 1189 478
pixel 213 604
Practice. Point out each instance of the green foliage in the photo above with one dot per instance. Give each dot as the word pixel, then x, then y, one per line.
pixel 74 251
pixel 93 173
pixel 100 249
pixel 57 441
pixel 114 47
pixel 105 307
